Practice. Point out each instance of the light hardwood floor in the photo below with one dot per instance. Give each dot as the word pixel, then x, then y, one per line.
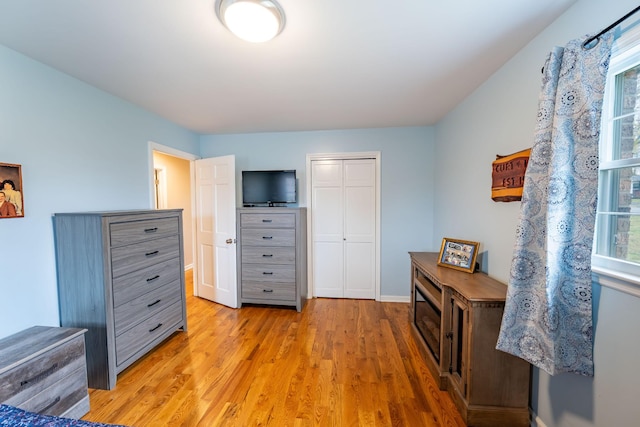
pixel 338 363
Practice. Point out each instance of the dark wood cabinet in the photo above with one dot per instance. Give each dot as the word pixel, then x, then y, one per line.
pixel 455 318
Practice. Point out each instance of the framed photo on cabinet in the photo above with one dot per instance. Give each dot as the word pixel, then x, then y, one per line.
pixel 11 193
pixel 458 254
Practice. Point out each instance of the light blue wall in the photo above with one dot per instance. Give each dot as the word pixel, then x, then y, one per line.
pixel 407 181
pixel 80 149
pixel 499 118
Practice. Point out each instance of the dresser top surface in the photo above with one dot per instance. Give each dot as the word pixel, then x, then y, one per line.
pixel 122 212
pixel 473 286
pixel 273 210
pixel 32 342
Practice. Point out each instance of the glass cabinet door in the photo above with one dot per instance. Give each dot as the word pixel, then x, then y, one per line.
pixel 459 351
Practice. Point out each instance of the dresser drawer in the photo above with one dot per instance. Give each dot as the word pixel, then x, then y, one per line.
pixel 268 255
pixel 264 220
pixel 126 259
pixel 29 378
pixel 272 273
pixel 124 233
pixel 59 396
pixel 134 311
pixel 268 237
pixel 136 338
pixel 269 291
pixel 132 285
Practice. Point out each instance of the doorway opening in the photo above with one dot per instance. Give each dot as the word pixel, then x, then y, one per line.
pixel 171 186
pixel 160 187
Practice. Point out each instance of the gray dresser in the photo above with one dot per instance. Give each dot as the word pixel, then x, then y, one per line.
pixel 120 276
pixel 272 256
pixel 43 370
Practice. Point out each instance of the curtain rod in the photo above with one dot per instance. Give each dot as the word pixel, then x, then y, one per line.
pixel 590 39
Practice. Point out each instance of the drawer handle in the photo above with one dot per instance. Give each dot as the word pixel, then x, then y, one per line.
pixel 151 253
pixel 268 291
pixel 268 273
pixel 49 406
pixel 267 255
pixel 153 303
pixel 267 237
pixel 153 329
pixel 42 375
pixel 151 230
pixel 267 220
pixel 151 279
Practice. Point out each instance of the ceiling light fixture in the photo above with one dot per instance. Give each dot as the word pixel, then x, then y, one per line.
pixel 255 21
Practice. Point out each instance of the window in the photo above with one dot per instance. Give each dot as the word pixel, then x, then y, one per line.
pixel 617 237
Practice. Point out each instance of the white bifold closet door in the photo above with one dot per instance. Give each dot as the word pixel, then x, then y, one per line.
pixel 344 228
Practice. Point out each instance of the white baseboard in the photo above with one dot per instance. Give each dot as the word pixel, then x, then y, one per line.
pixel 535 420
pixel 392 298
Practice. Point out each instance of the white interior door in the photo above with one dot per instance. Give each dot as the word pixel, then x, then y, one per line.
pixel 344 228
pixel 216 230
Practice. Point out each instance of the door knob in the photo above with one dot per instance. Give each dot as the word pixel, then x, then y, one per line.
pixel 229 241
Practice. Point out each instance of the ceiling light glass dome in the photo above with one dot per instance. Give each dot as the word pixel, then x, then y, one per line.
pixel 255 21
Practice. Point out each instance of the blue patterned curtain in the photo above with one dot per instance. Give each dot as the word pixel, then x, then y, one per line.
pixel 547 319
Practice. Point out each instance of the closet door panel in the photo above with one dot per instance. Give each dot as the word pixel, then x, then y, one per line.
pixel 328 272
pixel 359 214
pixel 327 173
pixel 359 270
pixel 328 229
pixel 359 173
pixel 360 228
pixel 327 219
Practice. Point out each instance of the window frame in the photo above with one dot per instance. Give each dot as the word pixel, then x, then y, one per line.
pixel 608 271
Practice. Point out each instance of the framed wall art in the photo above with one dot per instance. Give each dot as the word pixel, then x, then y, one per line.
pixel 458 254
pixel 11 192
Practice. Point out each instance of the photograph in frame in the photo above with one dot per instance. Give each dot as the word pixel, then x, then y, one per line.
pixel 11 192
pixel 458 254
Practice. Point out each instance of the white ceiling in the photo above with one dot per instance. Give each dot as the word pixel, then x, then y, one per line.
pixel 338 64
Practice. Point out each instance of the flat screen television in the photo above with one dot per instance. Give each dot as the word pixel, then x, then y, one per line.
pixel 268 188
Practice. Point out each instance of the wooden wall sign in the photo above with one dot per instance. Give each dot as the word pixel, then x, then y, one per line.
pixel 508 176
